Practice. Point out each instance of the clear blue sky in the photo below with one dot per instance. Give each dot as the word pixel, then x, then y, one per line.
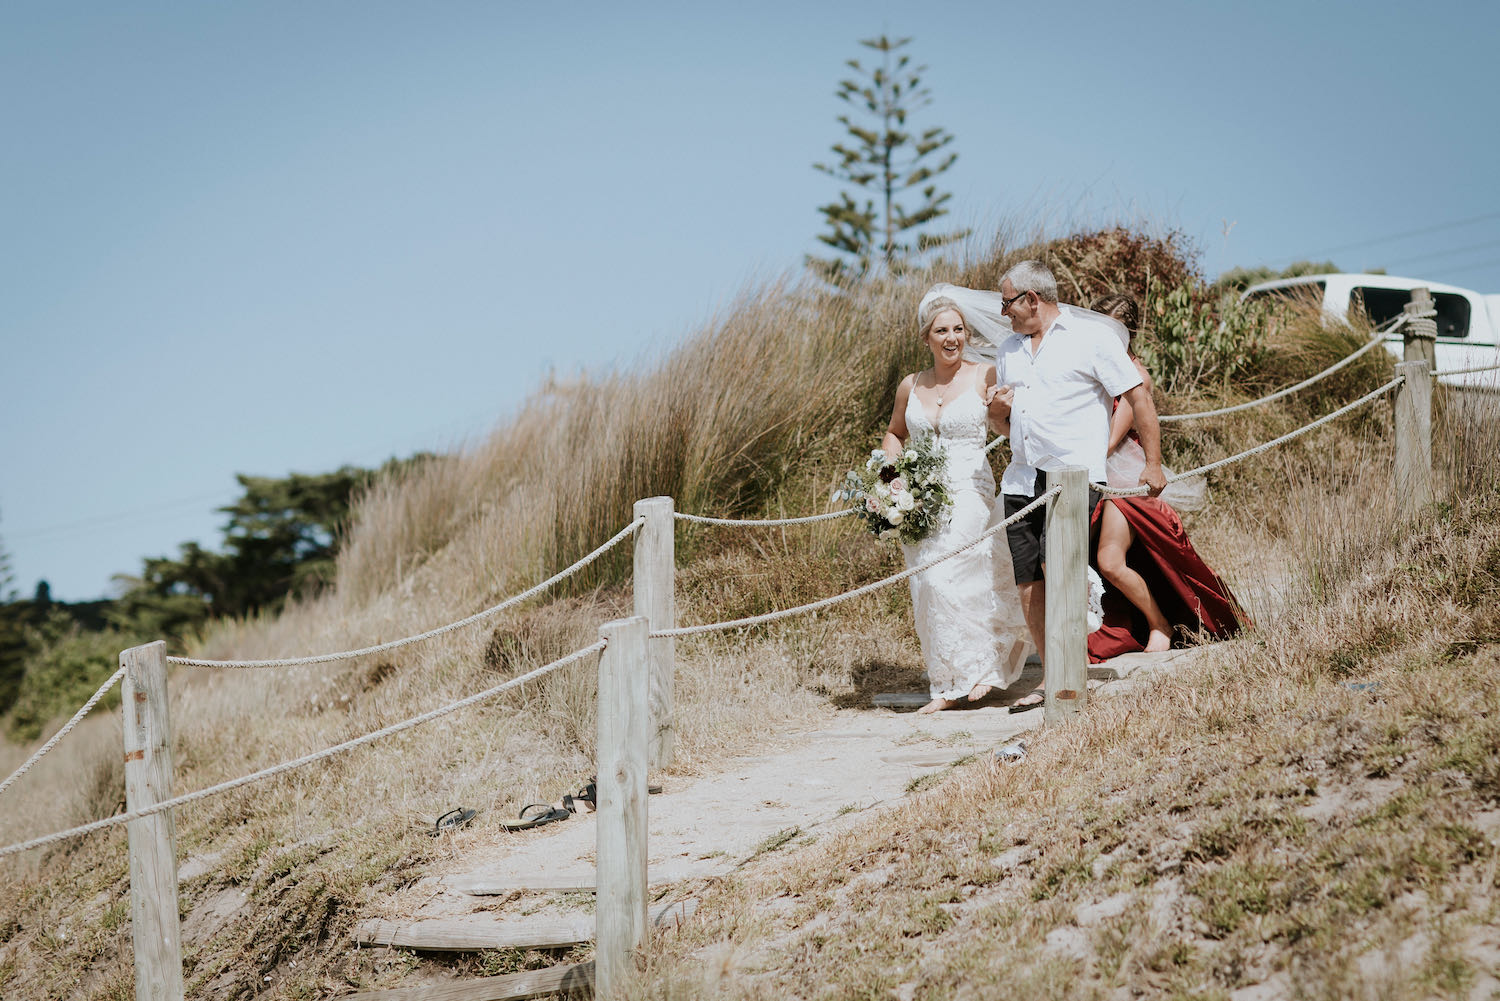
pixel 273 237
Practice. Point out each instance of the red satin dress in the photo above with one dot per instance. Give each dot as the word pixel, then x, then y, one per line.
pixel 1191 596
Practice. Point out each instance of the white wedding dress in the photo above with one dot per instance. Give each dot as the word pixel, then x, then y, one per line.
pixel 967 609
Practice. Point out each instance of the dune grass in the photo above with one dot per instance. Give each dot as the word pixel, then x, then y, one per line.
pixel 1310 811
pixel 757 414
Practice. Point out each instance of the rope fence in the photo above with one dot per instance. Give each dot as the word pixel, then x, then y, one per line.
pixel 1465 371
pixel 325 658
pixel 786 613
pixel 1374 342
pixel 1263 446
pixel 634 700
pixel 306 759
pixel 88 706
pixel 698 519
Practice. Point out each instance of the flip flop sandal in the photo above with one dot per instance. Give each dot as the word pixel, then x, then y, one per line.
pixel 589 796
pixel 535 815
pixel 452 821
pixel 1024 702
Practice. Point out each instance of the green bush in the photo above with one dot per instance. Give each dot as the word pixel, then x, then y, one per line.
pixel 1194 339
pixel 68 666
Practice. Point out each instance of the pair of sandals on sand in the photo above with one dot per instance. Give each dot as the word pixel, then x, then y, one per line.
pixel 532 814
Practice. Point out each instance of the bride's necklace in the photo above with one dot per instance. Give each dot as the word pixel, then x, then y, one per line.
pixel 941 389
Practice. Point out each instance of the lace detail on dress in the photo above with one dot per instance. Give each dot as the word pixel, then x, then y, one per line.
pixel 967 610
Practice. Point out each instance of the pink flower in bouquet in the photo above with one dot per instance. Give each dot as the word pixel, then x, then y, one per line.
pixel 870 505
pixel 898 485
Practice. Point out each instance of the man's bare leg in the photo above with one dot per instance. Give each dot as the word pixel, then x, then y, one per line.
pixel 1034 607
pixel 1115 539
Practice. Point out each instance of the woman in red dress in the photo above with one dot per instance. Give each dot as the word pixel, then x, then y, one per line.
pixel 1160 589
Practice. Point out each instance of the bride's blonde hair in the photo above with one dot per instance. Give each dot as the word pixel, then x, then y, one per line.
pixel 928 311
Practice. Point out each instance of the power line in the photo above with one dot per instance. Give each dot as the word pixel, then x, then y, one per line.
pixel 118 518
pixel 1440 227
pixel 1447 253
pixel 1474 267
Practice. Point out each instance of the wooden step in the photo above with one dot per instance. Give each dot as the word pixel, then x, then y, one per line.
pixel 574 978
pixel 490 886
pixel 481 931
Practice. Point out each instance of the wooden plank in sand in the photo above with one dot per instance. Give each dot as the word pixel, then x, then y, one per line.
pixel 499 886
pixel 491 886
pixel 574 978
pixel 478 931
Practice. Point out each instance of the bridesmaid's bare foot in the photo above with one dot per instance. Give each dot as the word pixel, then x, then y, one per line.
pixel 1158 641
pixel 936 706
pixel 980 692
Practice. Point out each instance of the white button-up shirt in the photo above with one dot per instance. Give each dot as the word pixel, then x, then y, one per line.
pixel 1064 397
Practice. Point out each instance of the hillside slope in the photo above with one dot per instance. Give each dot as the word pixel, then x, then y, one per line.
pixel 757 414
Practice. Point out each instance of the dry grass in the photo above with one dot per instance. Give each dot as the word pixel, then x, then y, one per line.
pixel 758 414
pixel 1312 809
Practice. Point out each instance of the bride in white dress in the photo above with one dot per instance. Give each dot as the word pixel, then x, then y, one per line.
pixel 968 612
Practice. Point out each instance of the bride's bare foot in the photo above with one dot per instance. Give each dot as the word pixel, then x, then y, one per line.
pixel 936 706
pixel 1158 641
pixel 980 692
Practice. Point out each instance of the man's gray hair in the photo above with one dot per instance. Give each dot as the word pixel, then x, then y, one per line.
pixel 1032 276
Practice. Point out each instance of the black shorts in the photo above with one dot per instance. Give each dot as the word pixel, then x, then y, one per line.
pixel 1028 537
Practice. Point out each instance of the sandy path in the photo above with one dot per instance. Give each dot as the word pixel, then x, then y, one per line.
pixel 813 782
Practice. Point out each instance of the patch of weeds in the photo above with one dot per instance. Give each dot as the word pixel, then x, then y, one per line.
pixel 927 917
pixel 239 870
pixel 1408 802
pixel 923 782
pixel 1170 956
pixel 497 962
pixel 847 808
pixel 1472 753
pixel 115 914
pixel 1383 759
pixel 1071 871
pixel 957 737
pixel 1364 889
pixel 1111 943
pixel 1218 839
pixel 1470 843
pixel 776 841
pixel 581 900
pixel 1232 891
pixel 1446 970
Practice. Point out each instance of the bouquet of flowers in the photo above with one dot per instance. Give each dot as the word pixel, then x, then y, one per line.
pixel 904 498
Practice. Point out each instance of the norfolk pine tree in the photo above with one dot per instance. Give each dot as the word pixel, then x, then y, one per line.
pixel 884 158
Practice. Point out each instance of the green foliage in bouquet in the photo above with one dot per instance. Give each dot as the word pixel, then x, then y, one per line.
pixel 903 499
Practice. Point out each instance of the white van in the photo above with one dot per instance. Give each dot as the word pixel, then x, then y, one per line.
pixel 1468 323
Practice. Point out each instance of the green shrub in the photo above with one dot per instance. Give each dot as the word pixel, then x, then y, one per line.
pixel 1194 339
pixel 68 666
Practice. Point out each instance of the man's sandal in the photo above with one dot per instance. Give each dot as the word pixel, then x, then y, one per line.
pixel 535 815
pixel 589 796
pixel 452 821
pixel 1028 701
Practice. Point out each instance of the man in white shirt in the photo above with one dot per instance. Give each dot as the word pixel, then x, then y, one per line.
pixel 1056 380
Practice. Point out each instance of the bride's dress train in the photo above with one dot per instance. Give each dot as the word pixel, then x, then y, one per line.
pixel 967 609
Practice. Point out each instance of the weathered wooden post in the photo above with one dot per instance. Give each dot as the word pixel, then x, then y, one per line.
pixel 1419 334
pixel 620 852
pixel 1065 660
pixel 655 598
pixel 1414 436
pixel 153 839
